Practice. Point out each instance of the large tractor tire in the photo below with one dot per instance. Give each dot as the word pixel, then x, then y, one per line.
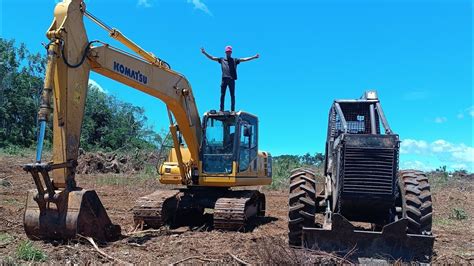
pixel 302 203
pixel 416 201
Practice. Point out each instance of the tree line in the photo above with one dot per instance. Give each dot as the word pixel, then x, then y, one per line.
pixel 109 124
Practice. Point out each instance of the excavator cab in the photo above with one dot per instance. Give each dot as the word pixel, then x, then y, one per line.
pixel 229 157
pixel 229 142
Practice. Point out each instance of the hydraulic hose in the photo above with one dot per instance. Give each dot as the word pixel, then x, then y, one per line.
pixel 45 105
pixel 39 145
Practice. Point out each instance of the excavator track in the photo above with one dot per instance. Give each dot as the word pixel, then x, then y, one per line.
pixel 156 209
pixel 231 213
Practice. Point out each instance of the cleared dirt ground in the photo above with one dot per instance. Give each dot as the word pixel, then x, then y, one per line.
pixel 266 243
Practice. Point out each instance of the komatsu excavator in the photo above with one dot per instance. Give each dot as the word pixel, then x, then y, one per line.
pixel 217 154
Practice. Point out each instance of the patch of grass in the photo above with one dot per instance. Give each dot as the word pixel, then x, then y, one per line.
pixel 28 252
pixel 279 183
pixel 438 180
pixel 13 202
pixel 12 150
pixel 5 183
pixel 149 172
pixel 458 214
pixel 442 221
pixel 8 261
pixel 17 151
pixel 114 180
pixel 5 239
pixel 464 253
pixel 281 174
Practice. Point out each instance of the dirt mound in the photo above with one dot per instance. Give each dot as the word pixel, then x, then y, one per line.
pixel 99 162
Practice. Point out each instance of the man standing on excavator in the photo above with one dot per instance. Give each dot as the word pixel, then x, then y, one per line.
pixel 229 73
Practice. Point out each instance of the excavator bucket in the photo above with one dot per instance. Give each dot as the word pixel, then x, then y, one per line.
pixel 68 214
pixel 392 242
pixel 64 214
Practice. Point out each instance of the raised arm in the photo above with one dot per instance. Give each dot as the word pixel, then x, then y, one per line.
pixel 208 55
pixel 249 58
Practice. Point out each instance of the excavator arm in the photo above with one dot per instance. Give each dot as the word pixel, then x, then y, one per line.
pixel 165 84
pixel 72 57
pixel 58 208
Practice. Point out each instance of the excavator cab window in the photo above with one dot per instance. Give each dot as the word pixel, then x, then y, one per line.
pixel 248 147
pixel 218 144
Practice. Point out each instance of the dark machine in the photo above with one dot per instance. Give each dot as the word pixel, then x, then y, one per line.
pixel 366 206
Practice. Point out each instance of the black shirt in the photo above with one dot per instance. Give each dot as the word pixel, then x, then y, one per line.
pixel 229 67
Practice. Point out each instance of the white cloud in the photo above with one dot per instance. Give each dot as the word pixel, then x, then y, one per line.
pixel 454 155
pixel 198 4
pixel 440 120
pixel 97 85
pixel 441 145
pixel 463 153
pixel 459 166
pixel 418 165
pixel 144 3
pixel 413 146
pixel 466 112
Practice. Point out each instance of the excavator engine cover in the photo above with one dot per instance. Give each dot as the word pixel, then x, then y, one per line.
pixel 68 214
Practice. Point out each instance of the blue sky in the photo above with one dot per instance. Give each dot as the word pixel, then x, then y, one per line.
pixel 417 54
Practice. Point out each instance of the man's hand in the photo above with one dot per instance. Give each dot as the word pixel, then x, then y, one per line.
pixel 245 59
pixel 208 55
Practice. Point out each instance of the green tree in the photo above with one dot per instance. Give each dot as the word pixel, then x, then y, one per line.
pixel 109 124
pixel 20 87
pixel 284 164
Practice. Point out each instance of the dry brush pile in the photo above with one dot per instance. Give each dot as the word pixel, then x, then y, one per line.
pixel 113 162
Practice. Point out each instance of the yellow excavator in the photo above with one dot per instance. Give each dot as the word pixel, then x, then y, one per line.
pixel 208 158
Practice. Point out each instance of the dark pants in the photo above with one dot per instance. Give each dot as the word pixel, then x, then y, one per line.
pixel 231 83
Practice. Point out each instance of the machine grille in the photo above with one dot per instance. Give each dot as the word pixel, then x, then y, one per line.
pixel 369 171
